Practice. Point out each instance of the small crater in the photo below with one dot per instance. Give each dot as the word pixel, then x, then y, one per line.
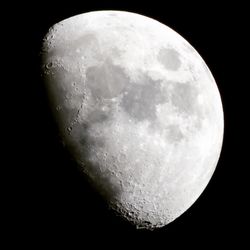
pixel 69 129
pixel 169 58
pixel 49 65
pixel 58 108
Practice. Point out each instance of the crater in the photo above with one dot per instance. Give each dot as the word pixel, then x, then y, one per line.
pixel 106 81
pixel 60 93
pixel 100 178
pixel 66 48
pixel 169 58
pixel 140 100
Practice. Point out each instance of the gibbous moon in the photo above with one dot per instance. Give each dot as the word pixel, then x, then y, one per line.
pixel 137 108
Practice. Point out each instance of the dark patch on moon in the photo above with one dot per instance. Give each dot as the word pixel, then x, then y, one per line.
pixel 106 81
pixel 97 116
pixel 184 97
pixel 140 100
pixel 173 133
pixel 169 58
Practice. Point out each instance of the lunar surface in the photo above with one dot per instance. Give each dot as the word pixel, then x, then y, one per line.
pixel 137 108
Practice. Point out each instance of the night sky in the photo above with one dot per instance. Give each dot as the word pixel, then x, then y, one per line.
pixel 47 200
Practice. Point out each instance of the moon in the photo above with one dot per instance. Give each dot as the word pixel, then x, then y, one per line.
pixel 137 108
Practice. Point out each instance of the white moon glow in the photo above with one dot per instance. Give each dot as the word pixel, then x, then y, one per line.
pixel 137 108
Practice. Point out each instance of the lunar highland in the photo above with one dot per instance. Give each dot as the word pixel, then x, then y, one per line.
pixel 137 108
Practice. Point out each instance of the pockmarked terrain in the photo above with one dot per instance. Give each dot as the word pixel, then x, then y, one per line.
pixel 137 108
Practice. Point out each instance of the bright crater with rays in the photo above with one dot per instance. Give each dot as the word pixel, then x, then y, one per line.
pixel 137 108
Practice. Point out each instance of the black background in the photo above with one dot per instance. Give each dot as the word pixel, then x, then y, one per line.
pixel 47 200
